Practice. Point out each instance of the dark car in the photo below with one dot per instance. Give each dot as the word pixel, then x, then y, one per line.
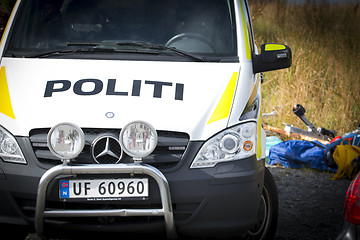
pixel 351 229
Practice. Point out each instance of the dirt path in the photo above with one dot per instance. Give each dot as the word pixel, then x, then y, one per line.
pixel 310 205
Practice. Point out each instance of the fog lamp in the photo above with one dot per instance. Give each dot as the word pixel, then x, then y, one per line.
pixel 138 139
pixel 66 141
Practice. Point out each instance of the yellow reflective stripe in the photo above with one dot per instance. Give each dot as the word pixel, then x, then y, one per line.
pixel 222 110
pixel 258 153
pixel 5 102
pixel 274 47
pixel 245 31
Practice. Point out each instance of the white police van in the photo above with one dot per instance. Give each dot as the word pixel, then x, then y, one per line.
pixel 135 115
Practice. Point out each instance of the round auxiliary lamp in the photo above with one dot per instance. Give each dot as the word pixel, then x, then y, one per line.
pixel 66 141
pixel 138 139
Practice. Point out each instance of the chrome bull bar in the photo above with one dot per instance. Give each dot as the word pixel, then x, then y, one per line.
pixel 167 211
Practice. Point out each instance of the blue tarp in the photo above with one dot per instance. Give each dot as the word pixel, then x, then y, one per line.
pixel 299 154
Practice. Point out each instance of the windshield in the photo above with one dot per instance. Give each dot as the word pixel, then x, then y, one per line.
pixel 201 27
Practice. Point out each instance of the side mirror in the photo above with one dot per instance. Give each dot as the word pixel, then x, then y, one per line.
pixel 273 57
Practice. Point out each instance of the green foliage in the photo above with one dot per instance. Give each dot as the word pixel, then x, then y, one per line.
pixel 7 5
pixel 325 75
pixel 5 10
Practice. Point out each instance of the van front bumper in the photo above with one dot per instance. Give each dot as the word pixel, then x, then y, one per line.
pixel 218 201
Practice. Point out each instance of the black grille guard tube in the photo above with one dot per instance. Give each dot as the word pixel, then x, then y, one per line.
pixel 132 168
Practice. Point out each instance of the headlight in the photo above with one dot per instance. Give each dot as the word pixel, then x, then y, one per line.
pixel 138 139
pixel 66 141
pixel 9 148
pixel 235 143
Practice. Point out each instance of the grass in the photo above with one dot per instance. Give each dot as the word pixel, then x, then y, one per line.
pixel 5 9
pixel 325 75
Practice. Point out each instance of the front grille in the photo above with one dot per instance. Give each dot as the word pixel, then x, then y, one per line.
pixel 168 153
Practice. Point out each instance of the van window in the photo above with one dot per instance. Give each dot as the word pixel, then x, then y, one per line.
pixel 203 27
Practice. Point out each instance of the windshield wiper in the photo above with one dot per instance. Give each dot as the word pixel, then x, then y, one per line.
pixel 164 48
pixel 58 52
pixel 95 47
pixel 63 52
pixel 142 45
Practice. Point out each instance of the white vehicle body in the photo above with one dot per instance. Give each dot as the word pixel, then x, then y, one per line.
pixel 205 98
pixel 195 108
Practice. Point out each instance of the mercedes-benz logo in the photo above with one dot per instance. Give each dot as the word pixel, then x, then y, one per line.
pixel 106 150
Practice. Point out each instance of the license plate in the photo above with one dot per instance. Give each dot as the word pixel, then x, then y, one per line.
pixel 104 189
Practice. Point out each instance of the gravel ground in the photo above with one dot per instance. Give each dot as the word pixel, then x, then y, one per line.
pixel 310 206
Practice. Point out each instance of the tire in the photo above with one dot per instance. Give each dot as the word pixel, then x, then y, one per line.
pixel 266 224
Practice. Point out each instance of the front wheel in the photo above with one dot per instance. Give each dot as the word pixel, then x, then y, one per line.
pixel 265 226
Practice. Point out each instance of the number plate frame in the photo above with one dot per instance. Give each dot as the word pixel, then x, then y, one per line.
pixel 104 189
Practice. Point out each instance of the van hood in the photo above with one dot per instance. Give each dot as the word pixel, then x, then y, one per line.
pixel 170 96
